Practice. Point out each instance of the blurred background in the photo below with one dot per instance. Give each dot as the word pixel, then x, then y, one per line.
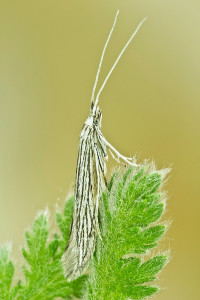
pixel 49 54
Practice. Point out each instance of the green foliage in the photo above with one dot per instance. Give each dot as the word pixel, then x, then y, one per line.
pixel 43 271
pixel 129 213
pixel 6 275
pixel 130 207
pixel 44 279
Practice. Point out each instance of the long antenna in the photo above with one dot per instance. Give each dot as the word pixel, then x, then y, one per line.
pixel 118 58
pixel 102 56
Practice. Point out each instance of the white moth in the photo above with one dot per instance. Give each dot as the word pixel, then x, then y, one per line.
pixel 90 179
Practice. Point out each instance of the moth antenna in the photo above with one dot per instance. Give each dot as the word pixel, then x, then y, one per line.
pixel 118 58
pixel 101 60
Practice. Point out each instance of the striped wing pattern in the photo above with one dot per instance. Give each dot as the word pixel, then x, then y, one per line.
pixel 90 172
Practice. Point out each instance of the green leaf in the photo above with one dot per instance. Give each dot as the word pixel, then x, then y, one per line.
pixel 127 213
pixel 44 278
pixel 6 274
pixel 150 268
pixel 152 234
pixel 142 240
pixel 129 268
pixel 126 175
pixel 147 185
pixel 141 292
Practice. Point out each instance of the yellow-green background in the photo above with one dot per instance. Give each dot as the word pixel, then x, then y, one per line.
pixel 49 53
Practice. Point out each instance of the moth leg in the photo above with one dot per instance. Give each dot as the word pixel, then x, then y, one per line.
pixel 119 155
pixel 113 156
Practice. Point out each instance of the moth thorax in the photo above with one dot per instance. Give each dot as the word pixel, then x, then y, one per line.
pixel 94 119
pixel 89 121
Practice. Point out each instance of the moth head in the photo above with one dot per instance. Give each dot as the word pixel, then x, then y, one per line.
pixel 97 117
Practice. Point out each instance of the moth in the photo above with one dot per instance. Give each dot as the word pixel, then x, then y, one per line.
pixel 90 179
